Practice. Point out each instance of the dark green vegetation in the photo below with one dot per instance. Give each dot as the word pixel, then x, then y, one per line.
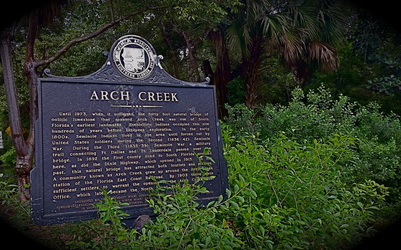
pixel 309 166
pixel 321 172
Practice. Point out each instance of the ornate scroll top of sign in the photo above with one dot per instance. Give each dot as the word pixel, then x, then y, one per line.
pixel 133 57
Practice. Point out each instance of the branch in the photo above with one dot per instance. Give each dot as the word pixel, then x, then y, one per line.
pixel 91 35
pixel 112 11
pixel 11 95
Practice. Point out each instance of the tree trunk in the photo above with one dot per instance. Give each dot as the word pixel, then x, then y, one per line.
pixel 172 55
pixel 222 74
pixel 23 169
pixel 23 148
pixel 249 71
pixel 193 68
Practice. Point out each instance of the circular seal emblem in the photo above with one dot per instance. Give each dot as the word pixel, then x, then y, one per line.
pixel 134 57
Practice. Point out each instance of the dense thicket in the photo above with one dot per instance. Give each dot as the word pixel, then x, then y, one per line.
pixel 309 166
pixel 321 172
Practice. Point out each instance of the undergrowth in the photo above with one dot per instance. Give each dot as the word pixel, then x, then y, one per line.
pixel 320 173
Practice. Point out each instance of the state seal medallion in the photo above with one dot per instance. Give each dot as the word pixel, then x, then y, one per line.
pixel 134 57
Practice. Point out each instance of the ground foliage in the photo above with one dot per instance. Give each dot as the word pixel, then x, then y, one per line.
pixel 319 173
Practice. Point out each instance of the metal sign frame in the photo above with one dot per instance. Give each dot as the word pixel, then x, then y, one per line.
pixel 131 81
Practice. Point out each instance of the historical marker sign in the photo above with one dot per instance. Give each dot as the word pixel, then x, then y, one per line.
pixel 116 129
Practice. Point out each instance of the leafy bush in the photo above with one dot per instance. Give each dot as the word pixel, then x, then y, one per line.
pixel 180 223
pixel 7 190
pixel 236 91
pixel 387 85
pixel 302 200
pixel 321 167
pixel 285 194
pixel 317 116
pixel 316 174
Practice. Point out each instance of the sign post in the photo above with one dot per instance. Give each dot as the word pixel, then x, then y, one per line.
pixel 120 129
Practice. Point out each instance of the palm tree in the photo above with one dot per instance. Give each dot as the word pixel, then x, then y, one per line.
pixel 301 30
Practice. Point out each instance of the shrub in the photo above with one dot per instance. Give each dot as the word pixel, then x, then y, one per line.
pixel 318 116
pixel 301 199
pixel 309 164
pixel 7 190
pixel 180 222
pixel 315 174
pixel 285 194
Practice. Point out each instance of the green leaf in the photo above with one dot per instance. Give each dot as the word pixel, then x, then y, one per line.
pixel 262 230
pixel 241 179
pixel 228 192
pixel 253 193
pixel 207 241
pixel 219 199
pixel 236 188
pixel 234 204
pixel 210 204
pixel 122 237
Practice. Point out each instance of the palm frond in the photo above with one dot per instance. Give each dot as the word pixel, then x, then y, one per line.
pixel 293 47
pixel 325 54
pixel 238 37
